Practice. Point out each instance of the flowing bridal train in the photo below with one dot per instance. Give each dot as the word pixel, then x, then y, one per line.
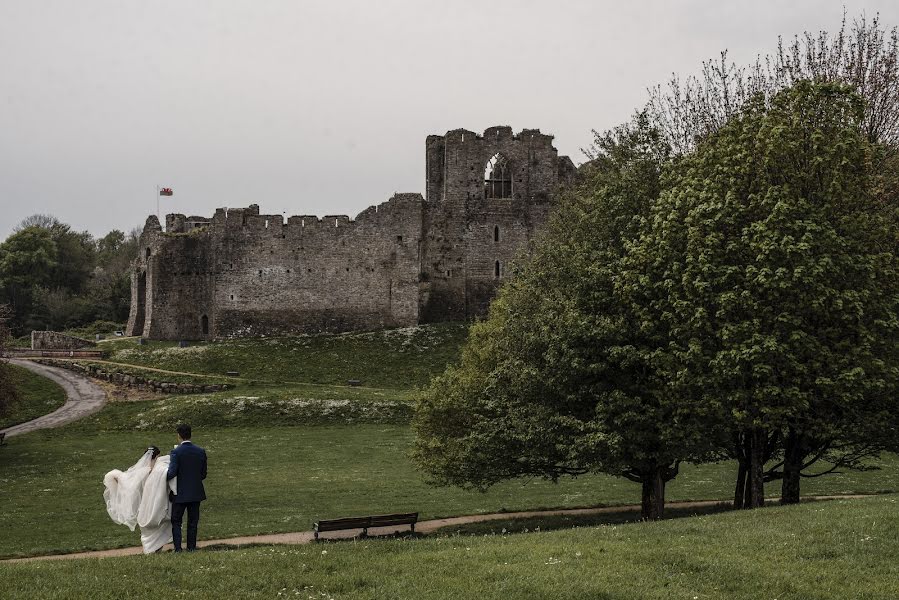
pixel 140 497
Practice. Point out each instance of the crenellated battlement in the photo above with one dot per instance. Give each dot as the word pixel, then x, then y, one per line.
pixel 250 220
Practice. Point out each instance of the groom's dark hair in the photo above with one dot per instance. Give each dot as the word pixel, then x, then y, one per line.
pixel 183 431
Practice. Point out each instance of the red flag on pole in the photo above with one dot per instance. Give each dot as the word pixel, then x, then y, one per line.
pixel 165 192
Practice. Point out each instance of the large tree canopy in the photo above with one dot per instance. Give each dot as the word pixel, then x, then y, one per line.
pixel 775 268
pixel 565 377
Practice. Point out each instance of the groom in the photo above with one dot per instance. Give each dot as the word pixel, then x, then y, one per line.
pixel 188 464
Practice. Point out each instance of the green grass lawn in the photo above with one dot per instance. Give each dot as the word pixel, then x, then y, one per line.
pixel 398 358
pixel 37 396
pixel 274 479
pixel 258 406
pixel 823 551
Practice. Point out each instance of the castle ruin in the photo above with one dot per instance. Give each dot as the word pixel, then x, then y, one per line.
pixel 409 260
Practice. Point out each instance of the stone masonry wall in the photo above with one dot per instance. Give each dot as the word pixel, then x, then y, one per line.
pixel 251 274
pixel 461 248
pixel 405 261
pixel 52 340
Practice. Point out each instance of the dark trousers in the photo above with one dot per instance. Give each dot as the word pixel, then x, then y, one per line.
pixel 193 519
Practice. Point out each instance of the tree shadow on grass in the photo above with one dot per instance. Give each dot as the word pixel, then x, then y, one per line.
pixel 555 522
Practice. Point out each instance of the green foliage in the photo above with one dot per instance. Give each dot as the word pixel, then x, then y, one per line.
pixel 822 550
pixel 564 376
pixel 27 258
pixel 56 278
pixel 9 394
pixel 774 268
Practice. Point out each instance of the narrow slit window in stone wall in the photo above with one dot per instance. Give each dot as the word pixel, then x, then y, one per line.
pixel 204 324
pixel 496 269
pixel 496 233
pixel 498 178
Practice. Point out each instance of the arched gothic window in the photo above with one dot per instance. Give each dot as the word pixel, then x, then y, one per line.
pixel 498 178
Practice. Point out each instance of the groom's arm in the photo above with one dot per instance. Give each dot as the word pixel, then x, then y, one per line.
pixel 173 466
pixel 204 466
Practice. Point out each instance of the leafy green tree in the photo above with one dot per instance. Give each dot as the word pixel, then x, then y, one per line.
pixel 565 377
pixel 84 280
pixel 28 259
pixel 76 256
pixel 8 393
pixel 110 285
pixel 774 266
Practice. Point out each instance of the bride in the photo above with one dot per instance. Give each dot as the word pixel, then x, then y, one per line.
pixel 140 496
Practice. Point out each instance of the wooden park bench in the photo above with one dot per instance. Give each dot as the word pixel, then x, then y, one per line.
pixel 364 523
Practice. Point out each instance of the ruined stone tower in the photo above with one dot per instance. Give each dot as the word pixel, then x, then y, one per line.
pixel 406 261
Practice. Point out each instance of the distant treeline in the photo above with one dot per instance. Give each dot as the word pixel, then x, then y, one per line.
pixel 53 277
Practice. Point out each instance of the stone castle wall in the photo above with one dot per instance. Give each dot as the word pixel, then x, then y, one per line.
pixel 406 261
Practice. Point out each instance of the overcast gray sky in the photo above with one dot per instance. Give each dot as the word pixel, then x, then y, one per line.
pixel 322 107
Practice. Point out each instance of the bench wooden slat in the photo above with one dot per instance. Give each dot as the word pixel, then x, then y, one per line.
pixel 347 523
pixel 364 523
pixel 399 519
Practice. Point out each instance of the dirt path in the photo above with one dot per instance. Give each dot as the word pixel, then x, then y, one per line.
pixel 425 527
pixel 83 397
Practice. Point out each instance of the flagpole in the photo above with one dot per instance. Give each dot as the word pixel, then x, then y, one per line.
pixel 158 216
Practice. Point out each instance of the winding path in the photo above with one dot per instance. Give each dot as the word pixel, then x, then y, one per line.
pixel 423 527
pixel 83 397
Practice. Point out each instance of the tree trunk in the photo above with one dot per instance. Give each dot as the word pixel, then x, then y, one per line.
pixel 742 448
pixel 740 488
pixel 756 476
pixel 653 496
pixel 793 456
pixel 747 489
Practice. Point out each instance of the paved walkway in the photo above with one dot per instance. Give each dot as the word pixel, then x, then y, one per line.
pixel 305 537
pixel 83 397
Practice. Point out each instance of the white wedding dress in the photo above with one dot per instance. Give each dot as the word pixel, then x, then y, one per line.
pixel 140 497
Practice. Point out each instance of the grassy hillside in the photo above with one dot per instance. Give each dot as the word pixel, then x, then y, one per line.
pixel 37 396
pixel 259 406
pixel 822 551
pixel 397 358
pixel 274 479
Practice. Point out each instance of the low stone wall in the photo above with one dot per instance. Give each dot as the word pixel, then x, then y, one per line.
pixel 27 353
pixel 135 381
pixel 53 340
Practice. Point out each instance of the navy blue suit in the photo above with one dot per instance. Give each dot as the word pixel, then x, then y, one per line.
pixel 187 462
